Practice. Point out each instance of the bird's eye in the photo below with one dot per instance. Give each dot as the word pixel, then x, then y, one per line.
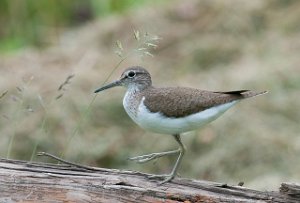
pixel 131 74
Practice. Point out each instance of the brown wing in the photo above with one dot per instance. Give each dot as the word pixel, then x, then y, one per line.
pixel 179 101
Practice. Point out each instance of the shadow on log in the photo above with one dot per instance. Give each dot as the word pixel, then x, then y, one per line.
pixel 41 182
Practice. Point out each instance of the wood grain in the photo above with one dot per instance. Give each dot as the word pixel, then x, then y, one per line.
pixel 42 182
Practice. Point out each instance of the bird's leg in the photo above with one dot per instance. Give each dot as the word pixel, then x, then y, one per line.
pixel 169 177
pixel 152 156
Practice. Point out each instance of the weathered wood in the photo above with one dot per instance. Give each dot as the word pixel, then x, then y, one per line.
pixel 291 189
pixel 40 182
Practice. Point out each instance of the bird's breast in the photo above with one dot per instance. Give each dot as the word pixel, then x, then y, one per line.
pixel 130 104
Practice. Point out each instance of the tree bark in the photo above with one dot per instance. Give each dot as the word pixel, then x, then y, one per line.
pixel 41 182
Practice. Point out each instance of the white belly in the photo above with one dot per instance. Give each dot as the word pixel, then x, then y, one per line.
pixel 158 123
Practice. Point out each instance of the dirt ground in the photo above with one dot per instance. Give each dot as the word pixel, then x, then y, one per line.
pixel 213 45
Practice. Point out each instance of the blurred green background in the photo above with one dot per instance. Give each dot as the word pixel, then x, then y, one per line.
pixel 54 54
pixel 27 23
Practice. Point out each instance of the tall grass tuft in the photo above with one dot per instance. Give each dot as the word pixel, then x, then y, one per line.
pixel 143 46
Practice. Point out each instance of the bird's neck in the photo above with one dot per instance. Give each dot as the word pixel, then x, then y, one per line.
pixel 137 88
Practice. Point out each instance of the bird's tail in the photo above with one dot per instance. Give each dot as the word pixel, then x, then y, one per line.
pixel 245 93
pixel 250 93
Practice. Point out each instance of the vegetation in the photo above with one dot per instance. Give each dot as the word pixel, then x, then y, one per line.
pixel 39 23
pixel 46 93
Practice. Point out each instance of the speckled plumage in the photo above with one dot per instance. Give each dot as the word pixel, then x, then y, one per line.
pixel 182 101
pixel 177 102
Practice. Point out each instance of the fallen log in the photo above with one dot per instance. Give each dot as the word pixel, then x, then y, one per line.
pixel 22 181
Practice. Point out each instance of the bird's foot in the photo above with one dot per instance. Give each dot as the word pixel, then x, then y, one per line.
pixel 152 156
pixel 165 177
pixel 145 158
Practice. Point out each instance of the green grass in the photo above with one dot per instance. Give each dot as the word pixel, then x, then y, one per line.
pixel 38 23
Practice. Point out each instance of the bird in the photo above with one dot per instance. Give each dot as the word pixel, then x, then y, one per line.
pixel 171 110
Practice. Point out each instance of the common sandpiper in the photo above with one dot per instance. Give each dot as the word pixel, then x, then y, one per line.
pixel 171 110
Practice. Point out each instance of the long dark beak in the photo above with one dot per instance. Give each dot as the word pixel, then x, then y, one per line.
pixel 110 85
